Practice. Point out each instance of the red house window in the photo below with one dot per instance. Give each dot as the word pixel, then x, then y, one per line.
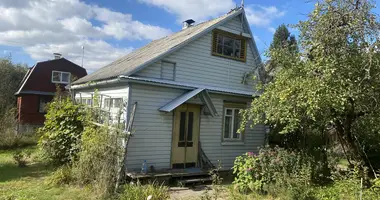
pixel 60 77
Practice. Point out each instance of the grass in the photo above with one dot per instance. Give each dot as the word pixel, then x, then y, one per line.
pixel 29 182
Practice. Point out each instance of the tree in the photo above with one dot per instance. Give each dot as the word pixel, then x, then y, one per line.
pixel 333 84
pixel 11 76
pixel 282 39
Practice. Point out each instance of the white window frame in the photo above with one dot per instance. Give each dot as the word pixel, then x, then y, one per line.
pixel 60 77
pixel 240 135
pixel 112 102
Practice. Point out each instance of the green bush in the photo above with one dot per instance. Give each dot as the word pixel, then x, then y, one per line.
pixel 99 158
pixel 62 130
pixel 348 189
pixel 272 166
pixel 62 175
pixel 142 192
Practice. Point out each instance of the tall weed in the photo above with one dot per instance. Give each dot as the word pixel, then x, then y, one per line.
pixel 271 166
pixel 99 158
pixel 8 133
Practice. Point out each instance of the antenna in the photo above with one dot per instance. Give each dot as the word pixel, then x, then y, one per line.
pixel 242 3
pixel 82 54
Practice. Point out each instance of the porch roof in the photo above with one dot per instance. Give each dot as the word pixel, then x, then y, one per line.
pixel 203 95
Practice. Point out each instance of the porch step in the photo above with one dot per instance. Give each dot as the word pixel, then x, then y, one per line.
pixel 195 180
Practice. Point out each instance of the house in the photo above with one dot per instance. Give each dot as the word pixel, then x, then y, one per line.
pixel 187 89
pixel 39 86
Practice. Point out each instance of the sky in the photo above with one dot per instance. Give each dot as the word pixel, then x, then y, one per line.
pixel 32 30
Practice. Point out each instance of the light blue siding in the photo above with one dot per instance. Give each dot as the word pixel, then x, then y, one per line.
pixel 153 129
pixel 195 64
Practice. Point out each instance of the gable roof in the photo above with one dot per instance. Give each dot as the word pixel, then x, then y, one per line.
pixel 155 50
pixel 38 78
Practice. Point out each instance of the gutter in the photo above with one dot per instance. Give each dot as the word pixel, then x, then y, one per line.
pixel 97 83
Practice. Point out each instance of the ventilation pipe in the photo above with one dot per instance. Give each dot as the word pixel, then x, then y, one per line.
pixel 57 55
pixel 187 23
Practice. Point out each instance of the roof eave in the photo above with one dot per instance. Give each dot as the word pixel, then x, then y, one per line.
pixel 186 86
pixel 91 84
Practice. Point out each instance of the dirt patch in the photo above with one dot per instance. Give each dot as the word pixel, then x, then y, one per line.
pixel 189 193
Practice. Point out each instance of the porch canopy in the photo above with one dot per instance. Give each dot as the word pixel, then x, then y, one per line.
pixel 203 95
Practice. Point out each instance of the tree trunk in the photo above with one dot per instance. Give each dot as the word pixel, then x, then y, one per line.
pixel 345 132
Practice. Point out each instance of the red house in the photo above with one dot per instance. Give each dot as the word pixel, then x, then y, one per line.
pixel 39 86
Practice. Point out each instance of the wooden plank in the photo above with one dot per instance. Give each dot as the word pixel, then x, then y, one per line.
pixel 195 180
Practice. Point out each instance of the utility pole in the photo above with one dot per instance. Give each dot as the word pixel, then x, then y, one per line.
pixel 82 54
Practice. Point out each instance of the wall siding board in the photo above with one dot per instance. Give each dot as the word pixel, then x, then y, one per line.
pixel 152 135
pixel 195 64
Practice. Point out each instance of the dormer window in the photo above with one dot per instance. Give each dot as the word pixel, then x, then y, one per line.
pixel 60 77
pixel 229 45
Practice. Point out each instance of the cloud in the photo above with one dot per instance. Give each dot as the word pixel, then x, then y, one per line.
pixel 262 16
pixel 198 10
pixel 201 10
pixel 97 52
pixel 42 27
pixel 271 29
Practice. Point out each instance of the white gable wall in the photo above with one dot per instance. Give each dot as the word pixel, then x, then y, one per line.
pixel 195 64
pixel 235 24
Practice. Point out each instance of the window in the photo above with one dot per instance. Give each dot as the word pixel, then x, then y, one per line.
pixel 60 77
pixel 229 45
pixel 186 129
pixel 167 70
pixel 44 100
pixel 113 102
pixel 231 122
pixel 87 101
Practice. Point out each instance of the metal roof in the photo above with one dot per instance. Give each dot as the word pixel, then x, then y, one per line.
pixel 38 78
pixel 204 96
pixel 155 50
pixel 180 100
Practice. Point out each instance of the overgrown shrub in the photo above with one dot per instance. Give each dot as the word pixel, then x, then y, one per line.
pixel 21 157
pixel 142 192
pixel 62 130
pixel 62 175
pixel 348 189
pixel 99 158
pixel 272 166
pixel 8 134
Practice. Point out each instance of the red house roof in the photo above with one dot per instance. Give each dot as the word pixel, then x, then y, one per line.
pixel 38 80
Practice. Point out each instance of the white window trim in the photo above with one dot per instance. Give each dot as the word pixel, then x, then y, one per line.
pixel 235 140
pixel 60 77
pixel 112 102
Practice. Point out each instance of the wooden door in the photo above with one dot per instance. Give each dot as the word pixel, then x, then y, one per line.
pixel 185 136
